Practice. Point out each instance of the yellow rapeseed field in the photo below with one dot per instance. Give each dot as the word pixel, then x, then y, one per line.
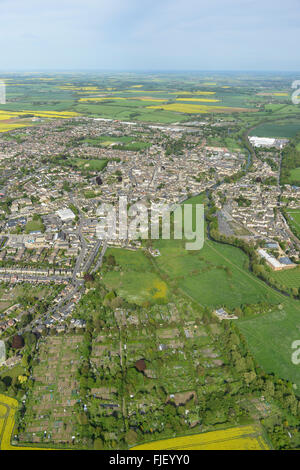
pixel 237 438
pixel 193 93
pixel 6 127
pixel 190 108
pixel 202 100
pixel 12 116
pixel 102 98
pixel 76 88
pixel 148 98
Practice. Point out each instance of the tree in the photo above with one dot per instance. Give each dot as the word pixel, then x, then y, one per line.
pixel 17 342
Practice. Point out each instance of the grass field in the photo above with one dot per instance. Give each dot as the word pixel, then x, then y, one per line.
pixel 215 276
pixel 238 438
pixel 135 281
pixel 289 278
pixel 270 338
pixel 282 129
pixel 196 109
pixel 294 219
pixel 295 175
pixel 124 142
pixel 91 164
pixel 34 225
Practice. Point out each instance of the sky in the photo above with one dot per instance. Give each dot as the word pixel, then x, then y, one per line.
pixel 150 35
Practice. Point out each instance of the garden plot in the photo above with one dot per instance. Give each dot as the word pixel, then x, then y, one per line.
pixel 50 413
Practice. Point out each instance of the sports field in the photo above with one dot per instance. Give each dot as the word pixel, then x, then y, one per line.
pixel 294 220
pixel 288 278
pixel 238 438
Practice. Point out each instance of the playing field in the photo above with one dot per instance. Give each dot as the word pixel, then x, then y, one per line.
pixel 293 219
pixel 239 438
pixel 288 278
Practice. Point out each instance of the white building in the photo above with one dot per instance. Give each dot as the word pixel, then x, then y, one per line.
pixel 2 353
pixel 66 215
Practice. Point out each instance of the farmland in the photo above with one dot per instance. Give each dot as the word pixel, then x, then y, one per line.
pixel 243 438
pixel 280 129
pixel 156 98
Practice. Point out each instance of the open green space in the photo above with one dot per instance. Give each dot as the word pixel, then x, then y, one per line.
pixel 270 337
pixel 280 129
pixel 295 175
pixel 122 142
pixel 289 277
pixel 135 279
pixel 294 218
pixel 35 226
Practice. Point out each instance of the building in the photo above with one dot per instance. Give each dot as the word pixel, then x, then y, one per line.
pixel 66 215
pixel 275 264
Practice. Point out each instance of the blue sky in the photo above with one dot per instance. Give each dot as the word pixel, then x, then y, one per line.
pixel 150 34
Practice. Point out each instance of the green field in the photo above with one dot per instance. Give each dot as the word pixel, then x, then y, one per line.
pixel 215 276
pixel 122 142
pixel 34 226
pixel 270 338
pixel 281 129
pixel 294 219
pixel 83 164
pixel 93 164
pixel 202 277
pixel 135 280
pixel 289 278
pixel 295 175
